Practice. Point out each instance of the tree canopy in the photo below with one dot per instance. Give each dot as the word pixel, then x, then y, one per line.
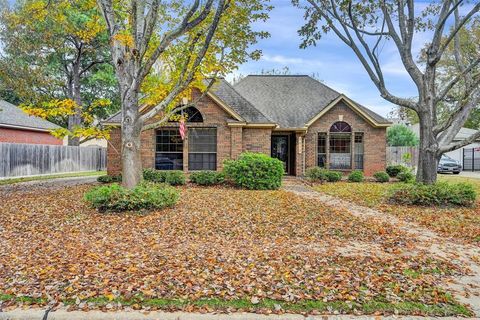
pixel 400 135
pixel 55 61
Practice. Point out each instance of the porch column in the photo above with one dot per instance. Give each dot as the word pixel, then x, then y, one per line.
pixel 235 142
pixel 300 154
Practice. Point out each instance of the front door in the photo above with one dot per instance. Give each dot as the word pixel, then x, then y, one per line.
pixel 280 150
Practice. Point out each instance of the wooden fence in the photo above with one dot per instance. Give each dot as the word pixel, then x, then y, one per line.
pixel 19 160
pixel 402 155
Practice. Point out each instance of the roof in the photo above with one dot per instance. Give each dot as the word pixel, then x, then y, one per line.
pixel 238 103
pixel 292 100
pixel 462 134
pixel 288 101
pixel 11 115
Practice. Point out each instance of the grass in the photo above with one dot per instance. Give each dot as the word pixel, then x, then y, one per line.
pixel 52 176
pixel 458 223
pixel 451 308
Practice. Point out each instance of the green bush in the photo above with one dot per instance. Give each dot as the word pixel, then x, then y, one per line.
pixel 172 177
pixel 109 178
pixel 334 176
pixel 207 178
pixel 394 170
pixel 316 174
pixel 406 176
pixel 255 171
pixel 440 193
pixel 381 176
pixel 146 195
pixel 356 176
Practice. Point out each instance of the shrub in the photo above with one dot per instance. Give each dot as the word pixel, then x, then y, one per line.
pixel 355 176
pixel 394 170
pixel 109 179
pixel 206 178
pixel 316 174
pixel 172 177
pixel 334 176
pixel 441 193
pixel 255 171
pixel 381 176
pixel 144 196
pixel 406 176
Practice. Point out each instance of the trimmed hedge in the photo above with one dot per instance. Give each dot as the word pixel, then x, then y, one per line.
pixel 207 177
pixel 255 171
pixel 394 170
pixel 109 179
pixel 356 176
pixel 381 176
pixel 147 196
pixel 318 174
pixel 440 193
pixel 172 177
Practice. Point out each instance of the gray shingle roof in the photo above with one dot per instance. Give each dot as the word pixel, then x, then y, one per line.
pixel 239 104
pixel 14 116
pixel 223 90
pixel 291 101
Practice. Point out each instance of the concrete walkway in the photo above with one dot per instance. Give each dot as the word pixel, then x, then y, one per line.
pixel 466 289
pixel 135 315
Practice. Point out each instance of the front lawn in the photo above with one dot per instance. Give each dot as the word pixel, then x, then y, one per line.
pixel 217 249
pixel 457 223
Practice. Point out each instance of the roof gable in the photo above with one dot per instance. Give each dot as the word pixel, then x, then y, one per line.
pixel 13 116
pixel 293 101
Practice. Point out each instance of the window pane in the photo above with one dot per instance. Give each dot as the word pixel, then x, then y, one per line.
pixel 359 149
pixel 169 150
pixel 340 156
pixel 202 148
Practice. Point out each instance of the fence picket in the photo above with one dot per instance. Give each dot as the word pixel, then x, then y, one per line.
pixel 18 160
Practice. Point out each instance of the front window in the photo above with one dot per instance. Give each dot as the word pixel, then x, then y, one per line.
pixel 340 146
pixel 359 150
pixel 322 150
pixel 169 150
pixel 202 149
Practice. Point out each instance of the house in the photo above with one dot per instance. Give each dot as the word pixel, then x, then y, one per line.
pixel 296 119
pixel 18 127
pixel 465 154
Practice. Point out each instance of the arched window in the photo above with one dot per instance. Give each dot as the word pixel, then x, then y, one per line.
pixel 340 126
pixel 340 145
pixel 191 114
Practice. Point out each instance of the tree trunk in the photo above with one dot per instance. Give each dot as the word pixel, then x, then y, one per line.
pixel 131 142
pixel 75 120
pixel 427 157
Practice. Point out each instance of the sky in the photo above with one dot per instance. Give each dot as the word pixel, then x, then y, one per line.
pixel 330 60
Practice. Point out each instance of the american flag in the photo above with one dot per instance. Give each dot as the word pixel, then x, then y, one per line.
pixel 183 128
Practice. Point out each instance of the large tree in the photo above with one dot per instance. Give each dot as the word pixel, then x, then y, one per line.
pixel 364 26
pixel 55 61
pixel 161 50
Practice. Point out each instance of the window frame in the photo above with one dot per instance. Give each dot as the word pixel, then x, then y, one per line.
pixel 210 164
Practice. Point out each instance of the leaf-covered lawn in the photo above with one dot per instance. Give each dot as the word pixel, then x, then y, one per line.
pixel 459 223
pixel 219 248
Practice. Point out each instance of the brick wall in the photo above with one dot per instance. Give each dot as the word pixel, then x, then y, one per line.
pixel 257 140
pixel 374 158
pixel 214 116
pixel 27 136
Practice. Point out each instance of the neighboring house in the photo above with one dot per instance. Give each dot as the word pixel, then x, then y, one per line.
pixel 18 127
pixel 296 119
pixel 100 143
pixel 458 154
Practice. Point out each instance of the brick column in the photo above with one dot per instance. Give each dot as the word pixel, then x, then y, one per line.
pixel 236 142
pixel 300 154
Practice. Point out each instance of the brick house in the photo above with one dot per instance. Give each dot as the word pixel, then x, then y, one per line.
pixel 296 119
pixel 18 127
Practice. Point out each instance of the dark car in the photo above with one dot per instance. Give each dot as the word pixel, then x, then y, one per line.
pixel 447 164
